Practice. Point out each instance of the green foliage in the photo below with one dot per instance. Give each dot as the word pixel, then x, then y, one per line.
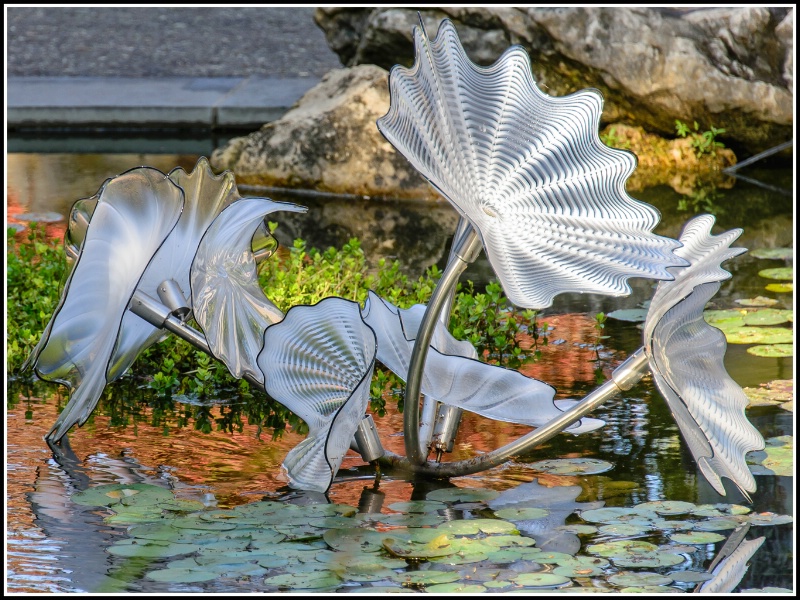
pixel 703 142
pixel 175 371
pixel 610 139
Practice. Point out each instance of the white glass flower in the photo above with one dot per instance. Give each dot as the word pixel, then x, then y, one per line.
pixel 686 358
pixel 528 170
pixel 318 363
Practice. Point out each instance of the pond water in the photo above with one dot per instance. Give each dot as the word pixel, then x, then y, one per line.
pixel 57 545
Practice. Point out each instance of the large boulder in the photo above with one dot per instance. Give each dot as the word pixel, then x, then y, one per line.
pixel 730 68
pixel 328 142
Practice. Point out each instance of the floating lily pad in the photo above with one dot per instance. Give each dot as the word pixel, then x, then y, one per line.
pixel 507 541
pixel 768 590
pixel 540 579
pixel 759 335
pixel 462 495
pixel 772 351
pixel 774 253
pixel 651 589
pixel 623 529
pixel 633 315
pixel 780 273
pixel 696 537
pixel 114 493
pixel 421 578
pixel 781 288
pixel 578 571
pixel 460 558
pixel 716 524
pixel 40 217
pixel 633 579
pixel 455 588
pixel 768 518
pixel 521 514
pixel 504 555
pixel 407 520
pixel 132 548
pixel 617 515
pixel 719 510
pixel 572 466
pixel 365 540
pixel 621 547
pixel 769 316
pixel 497 584
pixel 757 301
pixel 181 575
pixel 304 581
pixel 667 507
pixel 406 546
pixel 691 576
pixel 190 522
pixel 549 557
pixel 774 392
pixel 579 529
pixel 725 319
pixel 669 524
pixel 473 526
pixel 777 456
pixel 647 559
pixel 418 506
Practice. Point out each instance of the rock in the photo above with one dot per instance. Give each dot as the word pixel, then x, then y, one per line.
pixel 730 68
pixel 328 141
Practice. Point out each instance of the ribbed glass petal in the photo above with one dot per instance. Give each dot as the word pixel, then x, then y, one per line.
pixel 686 357
pixel 730 571
pixel 227 300
pixel 135 213
pixel 318 363
pixel 454 376
pixel 528 170
pixel 206 195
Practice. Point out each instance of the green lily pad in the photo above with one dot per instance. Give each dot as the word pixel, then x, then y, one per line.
pixel 507 541
pixel 572 466
pixel 773 392
pixel 303 581
pixel 696 537
pixel 640 579
pixel 768 590
pixel 497 584
pixel 718 510
pixel 132 518
pixel 578 571
pixel 418 506
pixel 757 301
pixel 691 576
pixel 621 547
pixel 633 315
pixel 772 350
pixel 775 253
pixel 725 319
pixel 455 588
pixel 407 520
pixel 780 288
pixel 647 559
pixel 578 529
pixel 759 335
pixel 651 589
pixel 115 493
pixel 780 273
pixel 716 524
pixel 405 546
pixel 132 548
pixel 461 558
pixel 548 557
pixel 669 524
pixel 422 578
pixel 540 579
pixel 623 529
pixel 777 456
pixel 504 555
pixel 191 522
pixel 667 507
pixel 355 538
pixel 768 518
pixel 181 575
pixel 462 495
pixel 769 316
pixel 521 514
pixel 473 526
pixel 617 515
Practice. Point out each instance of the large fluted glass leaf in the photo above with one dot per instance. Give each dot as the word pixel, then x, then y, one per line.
pixel 454 376
pixel 227 300
pixel 135 213
pixel 528 170
pixel 206 195
pixel 730 571
pixel 318 363
pixel 686 357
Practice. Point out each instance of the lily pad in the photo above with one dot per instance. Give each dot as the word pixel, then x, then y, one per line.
pixel 572 466
pixel 768 518
pixel 422 578
pixel 623 529
pixel 773 392
pixel 667 507
pixel 114 493
pixel 540 579
pixel 757 301
pixel 406 520
pixel 774 253
pixel 521 514
pixel 772 350
pixel 719 510
pixel 404 546
pixel 507 541
pixel 640 579
pixel 769 316
pixel 577 571
pixel 777 456
pixel 455 588
pixel 621 547
pixel 462 495
pixel 647 559
pixel 725 319
pixel 759 335
pixel 696 537
pixel 418 506
pixel 181 575
pixel 780 273
pixel 132 548
pixel 473 526
pixel 651 589
pixel 716 524
pixel 355 538
pixel 691 576
pixel 578 529
pixel 303 581
pixel 633 315
pixel 616 515
pixel 781 288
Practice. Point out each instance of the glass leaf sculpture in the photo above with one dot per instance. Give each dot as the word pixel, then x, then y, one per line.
pixel 135 213
pixel 686 357
pixel 528 170
pixel 318 363
pixel 453 374
pixel 227 300
pixel 732 569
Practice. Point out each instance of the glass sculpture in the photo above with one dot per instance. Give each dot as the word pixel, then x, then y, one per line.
pixel 535 188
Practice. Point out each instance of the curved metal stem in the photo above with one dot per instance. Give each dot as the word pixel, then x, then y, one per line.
pixel 623 378
pixel 466 248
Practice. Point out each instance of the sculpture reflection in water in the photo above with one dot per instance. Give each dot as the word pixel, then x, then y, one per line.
pixel 534 187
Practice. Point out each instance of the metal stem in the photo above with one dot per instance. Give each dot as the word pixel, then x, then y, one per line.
pixel 468 247
pixel 623 378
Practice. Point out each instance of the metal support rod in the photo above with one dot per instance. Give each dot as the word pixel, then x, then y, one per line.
pixel 431 408
pixel 469 246
pixel 624 377
pixel 759 156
